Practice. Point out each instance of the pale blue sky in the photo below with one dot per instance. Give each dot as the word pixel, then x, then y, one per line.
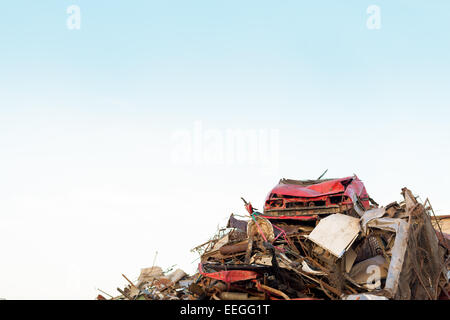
pixel 86 119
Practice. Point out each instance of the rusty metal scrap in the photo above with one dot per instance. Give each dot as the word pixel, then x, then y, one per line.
pixel 392 252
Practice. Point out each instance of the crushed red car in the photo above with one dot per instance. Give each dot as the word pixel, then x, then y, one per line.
pixel 303 199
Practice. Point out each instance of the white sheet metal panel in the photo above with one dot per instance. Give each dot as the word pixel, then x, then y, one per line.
pixel 336 233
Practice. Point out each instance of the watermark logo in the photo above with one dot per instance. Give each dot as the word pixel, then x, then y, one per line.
pixel 374 19
pixel 74 19
pixel 252 147
pixel 374 280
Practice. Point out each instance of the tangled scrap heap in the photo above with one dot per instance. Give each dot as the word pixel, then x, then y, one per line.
pixel 317 239
pixel 391 252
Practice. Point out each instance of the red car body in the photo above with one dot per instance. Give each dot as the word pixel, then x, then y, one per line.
pixel 305 199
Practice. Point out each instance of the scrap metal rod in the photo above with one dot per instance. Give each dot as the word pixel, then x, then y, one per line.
pixel 437 221
pixel 105 293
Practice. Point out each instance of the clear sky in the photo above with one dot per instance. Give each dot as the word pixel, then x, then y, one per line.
pixel 113 136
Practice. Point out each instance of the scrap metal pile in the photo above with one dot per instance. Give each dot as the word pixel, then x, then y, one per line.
pixel 155 284
pixel 316 239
